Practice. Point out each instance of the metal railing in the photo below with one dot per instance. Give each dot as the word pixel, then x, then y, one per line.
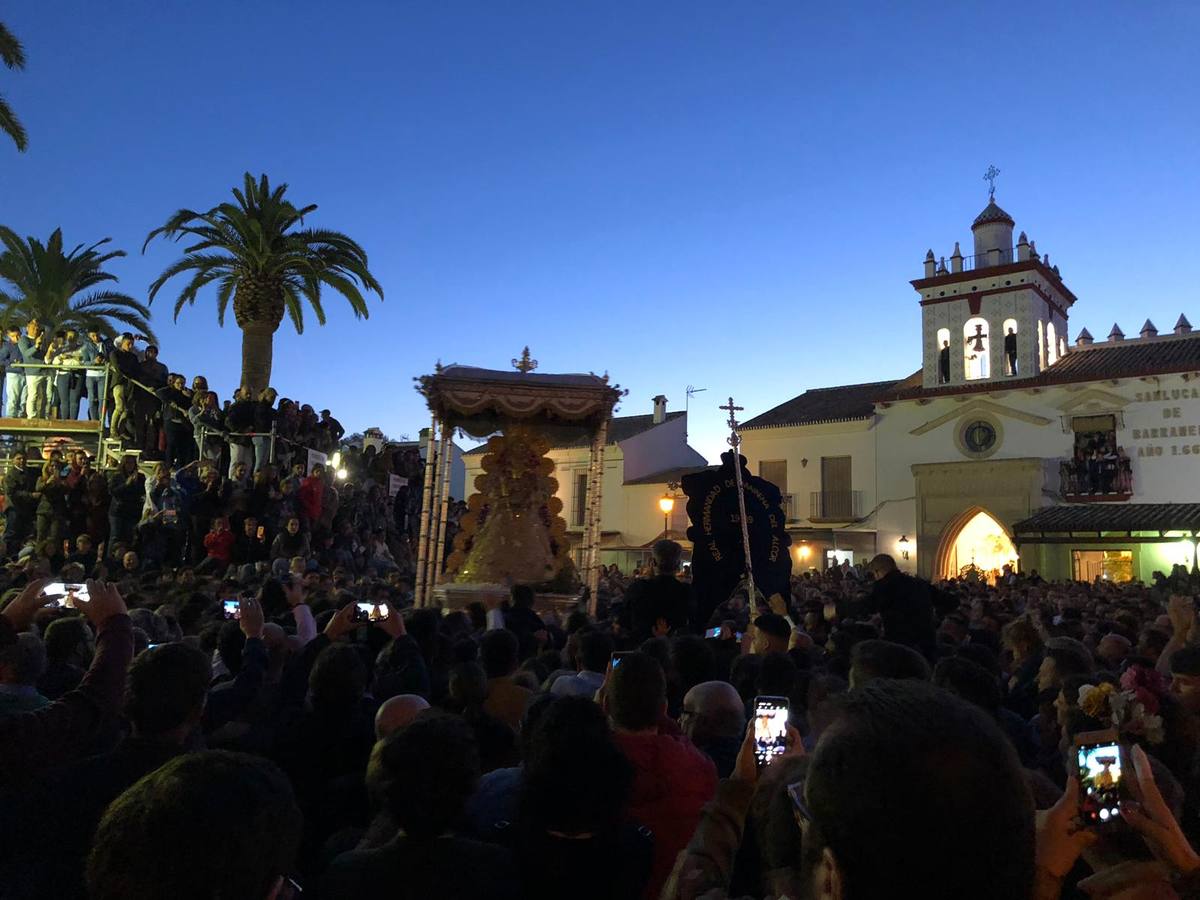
pixel 790 511
pixel 1103 479
pixel 956 264
pixel 835 506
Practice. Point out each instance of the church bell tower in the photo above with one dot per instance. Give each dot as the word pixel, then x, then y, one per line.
pixel 997 315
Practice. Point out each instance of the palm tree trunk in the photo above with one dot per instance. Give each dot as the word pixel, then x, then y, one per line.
pixel 257 350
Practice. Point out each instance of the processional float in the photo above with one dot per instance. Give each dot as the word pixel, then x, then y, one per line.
pixel 513 531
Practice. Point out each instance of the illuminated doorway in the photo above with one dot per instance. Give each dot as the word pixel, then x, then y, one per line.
pixel 975 539
pixel 1105 565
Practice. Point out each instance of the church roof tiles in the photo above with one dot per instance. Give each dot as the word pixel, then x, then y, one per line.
pixel 1098 362
pixel 992 213
pixel 831 404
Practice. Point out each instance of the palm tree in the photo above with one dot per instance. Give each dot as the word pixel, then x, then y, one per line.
pixel 12 54
pixel 46 284
pixel 266 264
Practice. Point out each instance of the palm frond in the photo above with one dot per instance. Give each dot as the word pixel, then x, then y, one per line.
pixel 12 54
pixel 11 125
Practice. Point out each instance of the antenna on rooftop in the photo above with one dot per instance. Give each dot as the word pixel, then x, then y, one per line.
pixel 687 403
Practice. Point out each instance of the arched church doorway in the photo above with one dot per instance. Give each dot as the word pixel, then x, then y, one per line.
pixel 974 538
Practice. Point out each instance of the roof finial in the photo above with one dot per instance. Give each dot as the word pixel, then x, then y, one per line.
pixel 990 177
pixel 525 365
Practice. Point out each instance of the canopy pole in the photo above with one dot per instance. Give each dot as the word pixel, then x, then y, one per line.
pixel 426 511
pixel 444 480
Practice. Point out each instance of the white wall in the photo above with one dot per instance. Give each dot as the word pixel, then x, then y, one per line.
pixel 658 449
pixel 799 443
pixel 884 451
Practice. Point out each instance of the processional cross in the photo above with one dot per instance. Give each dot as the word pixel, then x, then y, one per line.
pixel 990 177
pixel 735 442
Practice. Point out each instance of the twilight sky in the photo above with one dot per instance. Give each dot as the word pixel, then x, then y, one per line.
pixel 729 195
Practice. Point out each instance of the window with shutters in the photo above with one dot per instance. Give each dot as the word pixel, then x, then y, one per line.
pixel 579 501
pixel 837 496
pixel 774 471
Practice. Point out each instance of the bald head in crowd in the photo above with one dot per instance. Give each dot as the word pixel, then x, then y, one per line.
pixel 1112 650
pixel 397 712
pixel 713 709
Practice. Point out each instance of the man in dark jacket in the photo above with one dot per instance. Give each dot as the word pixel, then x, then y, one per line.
pixel 164 701
pixel 181 447
pixel 660 605
pixel 128 367
pixel 239 420
pixel 425 774
pixel 904 605
pixel 19 483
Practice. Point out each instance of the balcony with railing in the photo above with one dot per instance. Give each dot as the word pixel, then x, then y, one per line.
pixel 835 506
pixel 1107 479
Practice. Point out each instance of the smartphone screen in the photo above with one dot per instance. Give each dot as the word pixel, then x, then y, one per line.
pixel 58 593
pixel 770 727
pixel 1100 774
pixel 713 632
pixel 232 609
pixel 370 612
pixel 618 656
pixel 262 532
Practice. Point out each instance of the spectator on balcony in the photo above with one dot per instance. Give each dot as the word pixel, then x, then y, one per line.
pixel 64 350
pixel 207 425
pixel 33 354
pixel 154 373
pixel 127 367
pixel 92 354
pixel 264 422
pixel 944 363
pixel 1010 350
pixel 176 426
pixel 1124 472
pixel 333 430
pixel 1108 468
pixel 14 375
pixel 239 421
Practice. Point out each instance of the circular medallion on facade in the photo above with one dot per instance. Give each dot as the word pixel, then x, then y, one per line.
pixel 979 436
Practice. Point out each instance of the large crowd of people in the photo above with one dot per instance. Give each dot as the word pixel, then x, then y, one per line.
pixel 248 725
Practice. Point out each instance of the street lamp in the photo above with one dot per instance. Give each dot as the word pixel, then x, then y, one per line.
pixel 666 503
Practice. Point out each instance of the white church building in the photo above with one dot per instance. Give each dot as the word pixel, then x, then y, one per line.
pixel 1007 445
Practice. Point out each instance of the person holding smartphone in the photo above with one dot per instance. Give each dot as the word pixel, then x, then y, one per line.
pixel 63 731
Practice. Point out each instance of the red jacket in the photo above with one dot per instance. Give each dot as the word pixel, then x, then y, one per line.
pixel 311 493
pixel 219 545
pixel 672 782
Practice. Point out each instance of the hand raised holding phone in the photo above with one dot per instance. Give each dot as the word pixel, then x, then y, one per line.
pixel 747 766
pixel 104 601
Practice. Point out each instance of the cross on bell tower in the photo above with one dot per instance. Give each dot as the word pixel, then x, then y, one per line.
pixel 990 177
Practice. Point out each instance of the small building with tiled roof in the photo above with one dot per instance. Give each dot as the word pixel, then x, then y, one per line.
pixel 1004 428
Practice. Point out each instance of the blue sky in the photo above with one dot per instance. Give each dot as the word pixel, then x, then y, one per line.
pixel 730 195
